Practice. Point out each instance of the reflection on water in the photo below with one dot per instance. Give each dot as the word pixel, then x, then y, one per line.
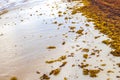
pixel 12 4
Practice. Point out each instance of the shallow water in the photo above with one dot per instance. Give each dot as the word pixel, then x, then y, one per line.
pixel 28 29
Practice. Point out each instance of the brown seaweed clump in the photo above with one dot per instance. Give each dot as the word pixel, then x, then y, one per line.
pixel 44 77
pixel 85 56
pixel 91 73
pixel 14 78
pixel 63 64
pixel 65 78
pixel 85 50
pixel 118 64
pixel 80 32
pixel 57 60
pixel 107 42
pixel 106 16
pixel 51 47
pixel 55 72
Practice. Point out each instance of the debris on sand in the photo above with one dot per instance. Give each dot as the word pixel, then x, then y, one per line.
pixel 118 64
pixel 105 15
pixel 57 60
pixel 80 32
pixel 55 72
pixel 14 78
pixel 3 12
pixel 1 34
pixel 91 73
pixel 85 50
pixel 63 43
pixel 107 42
pixel 44 77
pixel 85 56
pixel 65 78
pixel 63 64
pixel 51 47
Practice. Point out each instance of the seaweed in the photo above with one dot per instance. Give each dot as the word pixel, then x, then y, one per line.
pixel 85 71
pixel 44 77
pixel 65 78
pixel 57 60
pixel 85 50
pixel 14 78
pixel 80 32
pixel 63 64
pixel 91 72
pixel 51 47
pixel 105 18
pixel 55 72
pixel 63 43
pixel 118 64
pixel 85 56
pixel 107 42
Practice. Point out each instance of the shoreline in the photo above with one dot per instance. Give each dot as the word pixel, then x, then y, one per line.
pixel 45 41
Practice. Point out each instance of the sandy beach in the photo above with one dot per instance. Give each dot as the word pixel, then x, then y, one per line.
pixel 45 30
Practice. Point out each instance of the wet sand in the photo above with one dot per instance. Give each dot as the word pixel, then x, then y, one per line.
pixel 27 31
